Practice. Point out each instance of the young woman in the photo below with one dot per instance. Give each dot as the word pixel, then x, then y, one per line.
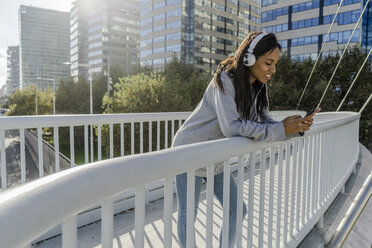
pixel 235 104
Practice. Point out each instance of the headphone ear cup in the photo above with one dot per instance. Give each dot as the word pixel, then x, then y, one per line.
pixel 249 59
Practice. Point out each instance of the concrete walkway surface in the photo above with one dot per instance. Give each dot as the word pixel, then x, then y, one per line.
pixel 89 236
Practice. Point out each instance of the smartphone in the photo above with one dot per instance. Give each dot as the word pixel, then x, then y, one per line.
pixel 314 110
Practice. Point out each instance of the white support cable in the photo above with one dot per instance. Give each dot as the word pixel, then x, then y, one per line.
pixel 365 104
pixel 343 53
pixel 320 54
pixel 352 84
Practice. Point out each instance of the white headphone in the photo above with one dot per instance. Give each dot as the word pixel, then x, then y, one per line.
pixel 249 58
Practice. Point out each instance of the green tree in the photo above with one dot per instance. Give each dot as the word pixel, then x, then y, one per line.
pixel 23 102
pixel 291 77
pixel 179 87
pixel 72 98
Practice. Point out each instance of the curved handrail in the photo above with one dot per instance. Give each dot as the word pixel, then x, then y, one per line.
pixel 91 183
pixel 18 122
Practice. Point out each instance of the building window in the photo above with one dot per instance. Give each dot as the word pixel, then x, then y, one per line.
pixel 158 28
pixel 175 48
pixel 159 17
pixel 268 2
pixel 159 61
pixel 146 21
pixel 145 53
pixel 146 11
pixel 145 43
pixel 159 39
pixel 146 32
pixel 173 2
pixel 272 14
pixel 174 13
pixel 176 24
pixel 159 50
pixel 176 36
pixel 159 5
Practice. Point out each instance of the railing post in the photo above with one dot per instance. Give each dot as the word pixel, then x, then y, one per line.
pixel 86 146
pixel 262 198
pixel 107 223
pixel 190 209
pixel 23 155
pixel 69 233
pixel 286 194
pixel 239 214
pixel 141 137
pixel 251 199
pixel 40 151
pixel 168 210
pixel 271 196
pixel 132 138
pixel 122 139
pixel 293 189
pixel 99 143
pixel 56 148
pixel 226 204
pixel 111 140
pixel 150 136
pixel 140 216
pixel 72 147
pixel 279 201
pixel 210 194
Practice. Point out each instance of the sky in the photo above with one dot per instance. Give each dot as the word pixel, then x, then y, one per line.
pixel 9 24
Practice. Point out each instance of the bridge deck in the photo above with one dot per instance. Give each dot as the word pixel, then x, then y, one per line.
pixel 90 235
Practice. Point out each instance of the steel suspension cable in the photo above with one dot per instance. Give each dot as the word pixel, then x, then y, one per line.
pixel 352 84
pixel 320 54
pixel 343 53
pixel 365 104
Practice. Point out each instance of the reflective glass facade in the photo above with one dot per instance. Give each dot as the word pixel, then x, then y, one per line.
pixel 12 81
pixel 43 45
pixel 199 32
pixel 367 26
pixel 302 27
pixel 104 33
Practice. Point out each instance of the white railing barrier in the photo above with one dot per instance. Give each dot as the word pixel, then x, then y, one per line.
pixel 129 121
pixel 165 126
pixel 328 155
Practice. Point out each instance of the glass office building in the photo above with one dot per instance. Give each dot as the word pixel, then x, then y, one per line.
pixel 200 32
pixel 104 33
pixel 367 27
pixel 12 81
pixel 43 45
pixel 302 27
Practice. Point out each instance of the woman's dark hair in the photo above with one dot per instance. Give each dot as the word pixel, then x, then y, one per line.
pixel 239 73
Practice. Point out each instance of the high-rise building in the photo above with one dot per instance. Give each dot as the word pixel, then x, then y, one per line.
pixel 302 27
pixel 200 32
pixel 43 45
pixel 367 26
pixel 12 81
pixel 104 33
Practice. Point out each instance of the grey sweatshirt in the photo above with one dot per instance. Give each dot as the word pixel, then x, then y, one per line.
pixel 216 117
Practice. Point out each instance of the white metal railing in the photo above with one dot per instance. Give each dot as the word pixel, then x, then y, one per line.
pixel 164 125
pixel 299 181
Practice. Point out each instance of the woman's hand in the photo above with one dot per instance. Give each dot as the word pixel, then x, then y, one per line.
pixel 296 124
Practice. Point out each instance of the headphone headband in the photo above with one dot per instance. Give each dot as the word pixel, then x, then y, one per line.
pixel 255 41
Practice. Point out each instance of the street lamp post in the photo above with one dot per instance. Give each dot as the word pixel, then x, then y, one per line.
pixel 54 91
pixel 90 100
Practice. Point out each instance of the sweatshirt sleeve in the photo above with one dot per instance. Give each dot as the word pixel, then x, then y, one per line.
pixel 233 125
pixel 266 118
